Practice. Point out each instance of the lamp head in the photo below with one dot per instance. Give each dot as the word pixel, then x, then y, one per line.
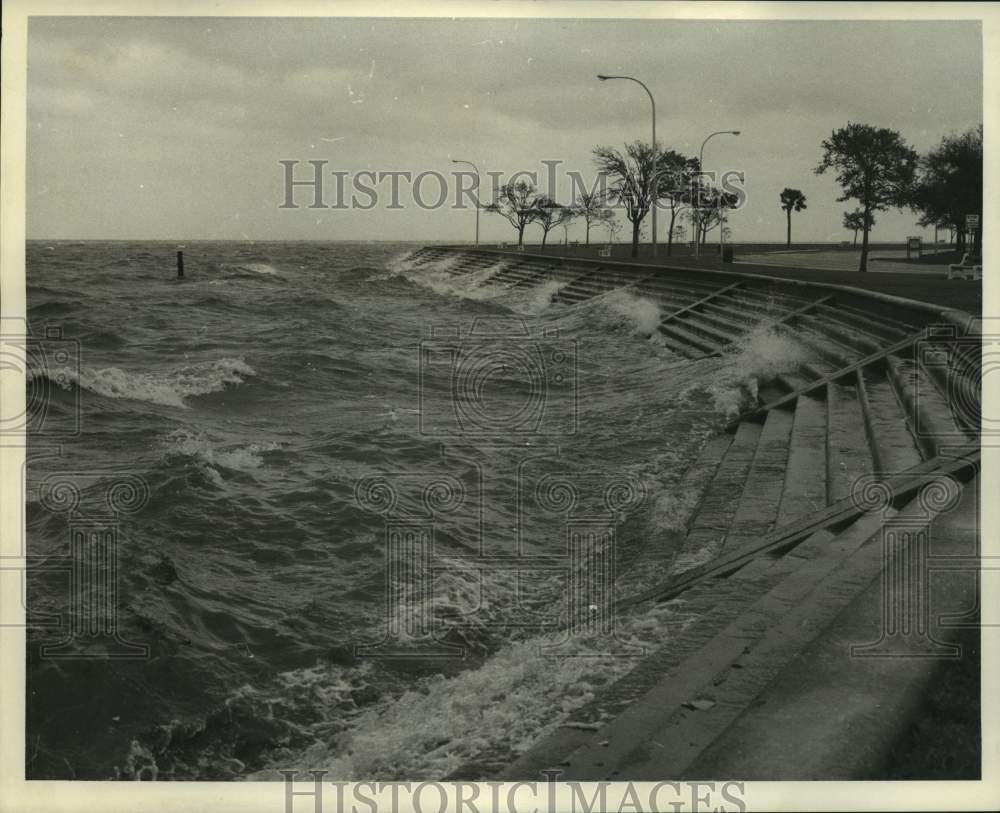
pixel 602 77
pixel 735 132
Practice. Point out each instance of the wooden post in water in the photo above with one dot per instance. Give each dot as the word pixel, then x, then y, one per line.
pixel 180 264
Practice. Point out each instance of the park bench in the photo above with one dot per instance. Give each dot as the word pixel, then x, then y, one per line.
pixel 604 251
pixel 967 269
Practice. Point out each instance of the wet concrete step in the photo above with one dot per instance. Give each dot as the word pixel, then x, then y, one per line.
pixel 870 324
pixel 927 409
pixel 662 555
pixel 695 344
pixel 757 508
pixel 804 490
pixel 848 455
pixel 691 321
pixel 847 335
pixel 895 448
pixel 677 286
pixel 851 713
pixel 711 523
pixel 781 607
pixel 825 347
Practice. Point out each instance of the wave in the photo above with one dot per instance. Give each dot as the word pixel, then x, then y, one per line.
pixel 169 388
pixel 212 456
pixel 761 355
pixel 637 313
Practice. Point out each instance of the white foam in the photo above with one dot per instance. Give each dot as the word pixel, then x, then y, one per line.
pixel 212 455
pixel 641 314
pixel 168 388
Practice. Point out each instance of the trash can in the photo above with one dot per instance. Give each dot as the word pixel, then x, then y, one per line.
pixel 727 254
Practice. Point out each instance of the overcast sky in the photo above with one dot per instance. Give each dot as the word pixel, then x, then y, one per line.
pixel 173 127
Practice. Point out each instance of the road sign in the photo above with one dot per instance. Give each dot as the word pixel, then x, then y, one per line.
pixel 972 221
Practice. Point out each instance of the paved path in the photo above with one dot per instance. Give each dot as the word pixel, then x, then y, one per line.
pixel 882 261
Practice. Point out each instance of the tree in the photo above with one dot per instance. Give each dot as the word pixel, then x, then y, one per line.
pixel 611 223
pixel 631 175
pixel 855 221
pixel 551 214
pixel 517 203
pixel 591 207
pixel 675 173
pixel 791 200
pixel 706 205
pixel 874 166
pixel 950 185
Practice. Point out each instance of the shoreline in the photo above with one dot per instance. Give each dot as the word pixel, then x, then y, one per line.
pixel 761 685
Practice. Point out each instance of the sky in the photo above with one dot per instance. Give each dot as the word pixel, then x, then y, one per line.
pixel 174 128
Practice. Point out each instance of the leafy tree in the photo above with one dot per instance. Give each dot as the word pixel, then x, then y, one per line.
pixel 874 166
pixel 950 185
pixel 631 175
pixel 551 214
pixel 855 222
pixel 591 207
pixel 791 200
pixel 517 203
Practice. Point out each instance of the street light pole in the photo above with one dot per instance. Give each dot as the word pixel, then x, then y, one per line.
pixel 652 102
pixel 479 182
pixel 701 154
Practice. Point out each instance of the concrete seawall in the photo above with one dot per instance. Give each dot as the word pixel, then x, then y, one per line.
pixel 817 631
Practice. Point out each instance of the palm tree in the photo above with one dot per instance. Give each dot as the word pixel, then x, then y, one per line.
pixel 791 199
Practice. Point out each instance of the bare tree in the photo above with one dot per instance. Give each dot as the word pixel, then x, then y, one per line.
pixel 517 202
pixel 550 214
pixel 675 173
pixel 631 175
pixel 612 224
pixel 591 207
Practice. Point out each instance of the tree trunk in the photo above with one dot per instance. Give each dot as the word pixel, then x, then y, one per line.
pixel 545 236
pixel 588 231
pixel 863 265
pixel 635 238
pixel 788 240
pixel 855 238
pixel 520 234
pixel 670 234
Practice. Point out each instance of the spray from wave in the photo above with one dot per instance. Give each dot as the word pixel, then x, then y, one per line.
pixel 169 388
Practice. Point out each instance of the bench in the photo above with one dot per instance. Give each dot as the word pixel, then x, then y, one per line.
pixel 967 269
pixel 604 251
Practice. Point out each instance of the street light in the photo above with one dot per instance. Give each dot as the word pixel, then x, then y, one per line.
pixel 652 101
pixel 701 153
pixel 479 181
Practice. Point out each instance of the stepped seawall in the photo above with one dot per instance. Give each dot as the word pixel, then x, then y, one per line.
pixel 841 513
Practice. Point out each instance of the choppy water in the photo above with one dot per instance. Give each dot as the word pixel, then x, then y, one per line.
pixel 252 397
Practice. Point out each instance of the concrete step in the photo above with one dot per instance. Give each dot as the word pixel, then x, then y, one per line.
pixel 691 321
pixel 895 449
pixel 871 324
pixel 711 523
pixel 927 409
pixel 847 335
pixel 663 555
pixel 779 608
pixel 824 346
pixel 804 490
pixel 833 714
pixel 758 503
pixel 694 344
pixel 847 453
